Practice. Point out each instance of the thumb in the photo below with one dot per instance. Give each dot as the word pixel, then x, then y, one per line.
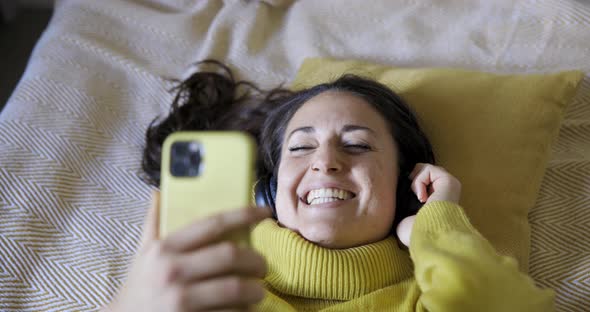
pixel 151 225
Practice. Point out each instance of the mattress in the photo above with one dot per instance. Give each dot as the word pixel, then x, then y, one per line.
pixel 72 201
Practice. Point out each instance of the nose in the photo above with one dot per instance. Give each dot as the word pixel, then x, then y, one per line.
pixel 327 160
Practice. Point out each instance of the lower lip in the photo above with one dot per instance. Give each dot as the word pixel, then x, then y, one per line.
pixel 332 204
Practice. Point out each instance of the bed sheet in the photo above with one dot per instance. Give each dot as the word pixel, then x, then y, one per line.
pixel 71 199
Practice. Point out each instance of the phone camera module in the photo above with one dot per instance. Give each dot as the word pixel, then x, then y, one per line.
pixel 186 159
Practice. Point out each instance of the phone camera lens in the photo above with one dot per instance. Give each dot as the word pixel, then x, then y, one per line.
pixel 195 159
pixel 193 146
pixel 178 169
pixel 179 148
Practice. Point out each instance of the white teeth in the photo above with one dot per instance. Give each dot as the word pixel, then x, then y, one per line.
pixel 322 200
pixel 324 195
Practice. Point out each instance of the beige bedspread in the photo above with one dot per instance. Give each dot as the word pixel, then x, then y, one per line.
pixel 71 201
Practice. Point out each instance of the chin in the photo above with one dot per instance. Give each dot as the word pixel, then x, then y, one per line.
pixel 327 239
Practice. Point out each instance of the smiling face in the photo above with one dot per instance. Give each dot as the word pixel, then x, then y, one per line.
pixel 338 172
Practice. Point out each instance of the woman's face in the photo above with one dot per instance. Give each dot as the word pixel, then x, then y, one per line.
pixel 338 172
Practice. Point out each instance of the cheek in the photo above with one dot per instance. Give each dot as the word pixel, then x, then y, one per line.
pixel 381 183
pixel 288 174
pixel 288 179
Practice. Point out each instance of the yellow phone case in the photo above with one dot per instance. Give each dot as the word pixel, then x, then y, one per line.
pixel 225 181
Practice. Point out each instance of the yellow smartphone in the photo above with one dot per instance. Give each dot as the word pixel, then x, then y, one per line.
pixel 205 173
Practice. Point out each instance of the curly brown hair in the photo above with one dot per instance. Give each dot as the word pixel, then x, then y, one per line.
pixel 214 100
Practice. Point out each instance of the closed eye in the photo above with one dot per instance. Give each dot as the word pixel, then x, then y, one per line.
pixel 299 148
pixel 358 147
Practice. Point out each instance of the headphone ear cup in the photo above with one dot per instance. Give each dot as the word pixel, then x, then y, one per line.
pixel 265 193
pixel 271 195
pixel 259 192
pixel 272 187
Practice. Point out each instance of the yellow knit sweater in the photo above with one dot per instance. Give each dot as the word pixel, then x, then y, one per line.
pixel 450 267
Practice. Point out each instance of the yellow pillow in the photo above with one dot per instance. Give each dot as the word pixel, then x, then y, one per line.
pixel 493 132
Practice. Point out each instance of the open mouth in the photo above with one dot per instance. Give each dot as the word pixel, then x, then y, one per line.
pixel 326 195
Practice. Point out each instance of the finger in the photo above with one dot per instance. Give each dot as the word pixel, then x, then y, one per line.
pixel 221 259
pixel 230 292
pixel 417 168
pixel 419 189
pixel 421 182
pixel 211 229
pixel 152 220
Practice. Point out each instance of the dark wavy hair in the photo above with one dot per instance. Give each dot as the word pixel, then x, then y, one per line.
pixel 214 100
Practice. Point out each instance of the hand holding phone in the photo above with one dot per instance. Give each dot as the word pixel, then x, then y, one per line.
pixel 193 269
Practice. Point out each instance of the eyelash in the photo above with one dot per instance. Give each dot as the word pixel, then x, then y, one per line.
pixel 362 147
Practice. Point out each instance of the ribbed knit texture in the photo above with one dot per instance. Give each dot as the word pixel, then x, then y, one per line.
pixel 300 268
pixel 455 269
pixel 441 217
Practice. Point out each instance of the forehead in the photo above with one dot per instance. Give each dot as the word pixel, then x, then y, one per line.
pixel 335 109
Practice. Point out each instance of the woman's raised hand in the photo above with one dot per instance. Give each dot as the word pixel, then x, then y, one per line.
pixel 429 183
pixel 194 269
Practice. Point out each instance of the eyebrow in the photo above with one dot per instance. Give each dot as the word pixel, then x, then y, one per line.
pixel 346 128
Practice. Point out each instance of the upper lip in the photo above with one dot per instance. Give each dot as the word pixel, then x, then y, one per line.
pixel 315 186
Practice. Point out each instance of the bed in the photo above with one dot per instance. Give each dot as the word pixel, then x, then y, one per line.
pixel 72 200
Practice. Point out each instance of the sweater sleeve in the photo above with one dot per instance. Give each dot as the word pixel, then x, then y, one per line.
pixel 457 269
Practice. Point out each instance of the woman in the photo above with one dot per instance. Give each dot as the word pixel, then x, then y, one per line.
pixel 344 165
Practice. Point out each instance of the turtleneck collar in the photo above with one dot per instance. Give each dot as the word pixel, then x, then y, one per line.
pixel 301 268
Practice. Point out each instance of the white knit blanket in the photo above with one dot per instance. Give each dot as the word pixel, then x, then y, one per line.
pixel 71 135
